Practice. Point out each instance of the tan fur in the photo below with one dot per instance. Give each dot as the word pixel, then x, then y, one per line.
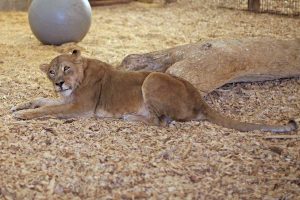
pixel 90 87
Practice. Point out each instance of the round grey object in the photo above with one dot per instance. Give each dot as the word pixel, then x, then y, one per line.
pixel 60 21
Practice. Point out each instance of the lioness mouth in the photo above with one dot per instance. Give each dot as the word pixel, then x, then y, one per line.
pixel 65 90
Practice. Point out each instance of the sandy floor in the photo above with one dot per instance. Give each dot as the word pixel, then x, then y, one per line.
pixel 111 159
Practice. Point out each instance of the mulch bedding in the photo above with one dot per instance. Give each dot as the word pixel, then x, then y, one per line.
pixel 113 159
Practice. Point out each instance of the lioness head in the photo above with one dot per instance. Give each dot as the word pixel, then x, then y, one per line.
pixel 65 72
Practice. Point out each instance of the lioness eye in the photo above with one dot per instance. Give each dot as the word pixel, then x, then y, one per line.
pixel 66 68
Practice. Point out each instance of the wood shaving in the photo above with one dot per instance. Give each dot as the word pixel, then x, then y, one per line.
pixel 113 159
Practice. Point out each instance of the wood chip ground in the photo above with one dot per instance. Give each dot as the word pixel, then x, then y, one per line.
pixel 112 159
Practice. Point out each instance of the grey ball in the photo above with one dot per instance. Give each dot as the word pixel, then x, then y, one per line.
pixel 60 21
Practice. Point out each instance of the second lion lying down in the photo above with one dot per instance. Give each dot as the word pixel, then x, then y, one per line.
pixel 90 87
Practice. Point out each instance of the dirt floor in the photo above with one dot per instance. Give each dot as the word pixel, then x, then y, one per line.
pixel 112 159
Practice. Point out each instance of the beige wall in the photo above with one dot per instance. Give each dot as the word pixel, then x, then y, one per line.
pixel 8 5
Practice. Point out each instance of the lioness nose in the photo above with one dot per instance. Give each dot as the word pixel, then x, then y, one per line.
pixel 59 83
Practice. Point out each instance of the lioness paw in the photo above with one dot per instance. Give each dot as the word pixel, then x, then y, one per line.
pixel 134 118
pixel 14 109
pixel 22 114
pixel 21 107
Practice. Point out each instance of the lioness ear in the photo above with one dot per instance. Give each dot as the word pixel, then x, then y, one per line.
pixel 77 55
pixel 44 68
pixel 76 52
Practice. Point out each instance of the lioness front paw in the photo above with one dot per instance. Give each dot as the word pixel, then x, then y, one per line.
pixel 21 107
pixel 129 118
pixel 14 109
pixel 22 114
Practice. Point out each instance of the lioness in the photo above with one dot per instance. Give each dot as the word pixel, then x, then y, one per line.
pixel 90 87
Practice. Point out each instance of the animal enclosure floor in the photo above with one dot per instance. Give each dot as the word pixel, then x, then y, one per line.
pixel 112 159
